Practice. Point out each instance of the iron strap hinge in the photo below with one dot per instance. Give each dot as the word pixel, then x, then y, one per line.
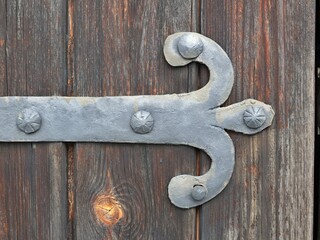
pixel 193 118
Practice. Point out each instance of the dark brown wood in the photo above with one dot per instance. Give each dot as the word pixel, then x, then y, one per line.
pixel 33 202
pixel 3 33
pixel 32 191
pixel 118 47
pixel 121 190
pixel 35 47
pixel 271 44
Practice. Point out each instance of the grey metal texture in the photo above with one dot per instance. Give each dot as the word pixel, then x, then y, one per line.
pixel 142 122
pixel 193 119
pixel 29 121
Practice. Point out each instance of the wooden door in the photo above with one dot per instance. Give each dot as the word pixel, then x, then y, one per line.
pixel 119 191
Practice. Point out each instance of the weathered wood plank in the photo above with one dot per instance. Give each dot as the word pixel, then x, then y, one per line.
pixel 32 191
pixel 316 226
pixel 3 64
pixel 33 202
pixel 121 192
pixel 118 51
pixel 35 47
pixel 271 44
pixel 119 47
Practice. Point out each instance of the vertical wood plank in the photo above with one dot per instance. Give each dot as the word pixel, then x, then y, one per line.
pixel 3 63
pixel 33 202
pixel 119 45
pixel 32 191
pixel 121 190
pixel 271 44
pixel 316 226
pixel 35 47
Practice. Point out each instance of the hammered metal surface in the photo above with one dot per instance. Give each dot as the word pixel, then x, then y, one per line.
pixel 142 122
pixel 193 118
pixel 29 121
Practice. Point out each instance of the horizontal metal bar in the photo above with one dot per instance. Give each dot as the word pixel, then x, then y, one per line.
pixel 193 119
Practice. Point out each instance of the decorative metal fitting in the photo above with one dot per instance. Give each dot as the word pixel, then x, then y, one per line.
pixel 195 118
pixel 29 121
pixel 190 46
pixel 142 122
pixel 254 117
pixel 199 192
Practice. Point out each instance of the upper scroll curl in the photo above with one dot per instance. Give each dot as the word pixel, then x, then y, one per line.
pixel 182 48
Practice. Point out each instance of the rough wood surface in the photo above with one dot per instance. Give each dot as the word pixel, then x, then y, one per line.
pixel 121 190
pixel 271 44
pixel 32 176
pixel 32 191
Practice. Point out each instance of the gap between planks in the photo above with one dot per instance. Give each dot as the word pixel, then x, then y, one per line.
pixel 70 146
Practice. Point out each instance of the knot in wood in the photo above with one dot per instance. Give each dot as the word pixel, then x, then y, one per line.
pixel 107 209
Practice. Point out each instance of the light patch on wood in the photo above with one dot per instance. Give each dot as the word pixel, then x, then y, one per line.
pixel 107 209
pixel 2 41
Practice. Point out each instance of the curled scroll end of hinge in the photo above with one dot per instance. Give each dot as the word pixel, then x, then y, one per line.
pixel 186 191
pixel 171 51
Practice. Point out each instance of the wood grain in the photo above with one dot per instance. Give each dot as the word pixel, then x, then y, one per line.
pixel 32 191
pixel 33 202
pixel 3 33
pixel 316 226
pixel 271 44
pixel 121 192
pixel 118 47
pixel 35 47
pixel 118 51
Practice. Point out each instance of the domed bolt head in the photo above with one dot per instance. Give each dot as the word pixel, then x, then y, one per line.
pixel 29 121
pixel 190 46
pixel 199 192
pixel 254 117
pixel 142 122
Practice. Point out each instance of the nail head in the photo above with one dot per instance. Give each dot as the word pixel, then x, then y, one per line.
pixel 28 121
pixel 142 122
pixel 190 46
pixel 199 192
pixel 254 117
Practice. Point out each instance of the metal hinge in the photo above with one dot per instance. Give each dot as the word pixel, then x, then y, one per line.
pixel 193 119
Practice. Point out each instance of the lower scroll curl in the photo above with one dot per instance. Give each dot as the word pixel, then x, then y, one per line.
pixel 187 191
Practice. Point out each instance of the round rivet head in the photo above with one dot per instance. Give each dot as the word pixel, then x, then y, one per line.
pixel 29 121
pixel 199 192
pixel 190 46
pixel 254 117
pixel 142 122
